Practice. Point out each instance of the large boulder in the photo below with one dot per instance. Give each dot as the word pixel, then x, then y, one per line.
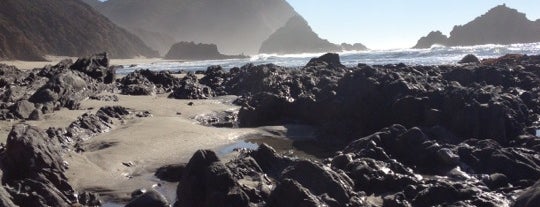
pixel 469 59
pixel 97 67
pixel 147 82
pixel 33 161
pixel 67 89
pixel 208 182
pixel 190 88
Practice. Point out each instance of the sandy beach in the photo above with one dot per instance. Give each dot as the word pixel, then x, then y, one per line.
pixel 53 60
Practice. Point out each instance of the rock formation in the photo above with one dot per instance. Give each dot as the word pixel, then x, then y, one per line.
pixel 31 29
pixel 296 37
pixel 193 51
pixel 500 25
pixel 433 38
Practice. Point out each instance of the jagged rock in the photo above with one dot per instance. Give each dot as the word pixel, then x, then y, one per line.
pixel 529 197
pixel 468 59
pixel 67 89
pixel 33 162
pixel 321 181
pixel 150 198
pixel 207 182
pixel 147 82
pixel 290 193
pixel 97 67
pixel 192 90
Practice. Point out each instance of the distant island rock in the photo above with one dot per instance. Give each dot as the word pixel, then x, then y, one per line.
pixel 238 26
pixel 500 25
pixel 298 37
pixel 353 47
pixel 433 38
pixel 200 51
pixel 31 29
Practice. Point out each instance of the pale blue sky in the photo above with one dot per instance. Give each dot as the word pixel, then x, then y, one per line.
pixel 385 24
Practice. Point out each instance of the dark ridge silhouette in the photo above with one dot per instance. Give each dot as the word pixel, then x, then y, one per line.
pixel 297 37
pixel 435 37
pixel 31 29
pixel 500 25
pixel 355 46
pixel 237 26
pixel 193 51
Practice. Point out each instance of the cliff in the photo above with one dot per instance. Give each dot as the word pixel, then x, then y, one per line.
pixel 237 26
pixel 193 51
pixel 500 25
pixel 31 29
pixel 297 37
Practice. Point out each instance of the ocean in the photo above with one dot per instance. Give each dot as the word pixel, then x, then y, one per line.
pixel 436 55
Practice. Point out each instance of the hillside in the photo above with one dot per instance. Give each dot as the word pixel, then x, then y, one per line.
pixel 500 25
pixel 31 29
pixel 237 26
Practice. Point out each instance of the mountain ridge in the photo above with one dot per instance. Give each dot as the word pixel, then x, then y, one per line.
pixel 500 25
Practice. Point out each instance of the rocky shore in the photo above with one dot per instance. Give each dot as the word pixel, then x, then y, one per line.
pixel 450 135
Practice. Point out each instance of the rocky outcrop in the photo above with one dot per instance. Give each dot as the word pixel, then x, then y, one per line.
pixel 353 47
pixel 500 25
pixel 33 165
pixel 190 88
pixel 44 28
pixel 529 197
pixel 236 26
pixel 147 82
pixel 296 36
pixel 193 51
pixel 433 38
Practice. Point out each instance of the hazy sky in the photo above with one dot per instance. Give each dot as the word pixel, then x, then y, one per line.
pixel 385 24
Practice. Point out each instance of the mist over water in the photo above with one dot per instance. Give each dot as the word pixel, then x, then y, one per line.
pixel 436 55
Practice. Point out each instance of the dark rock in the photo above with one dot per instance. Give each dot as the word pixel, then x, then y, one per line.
pixel 112 98
pixel 468 59
pixel 320 180
pixel 192 90
pixel 290 193
pixel 97 67
pixel 330 59
pixel 171 173
pixel 433 38
pixel 193 51
pixel 207 182
pixel 147 82
pixel 529 197
pixel 150 198
pixel 23 109
pixel 496 180
pixel 90 199
pixel 67 89
pixel 34 161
